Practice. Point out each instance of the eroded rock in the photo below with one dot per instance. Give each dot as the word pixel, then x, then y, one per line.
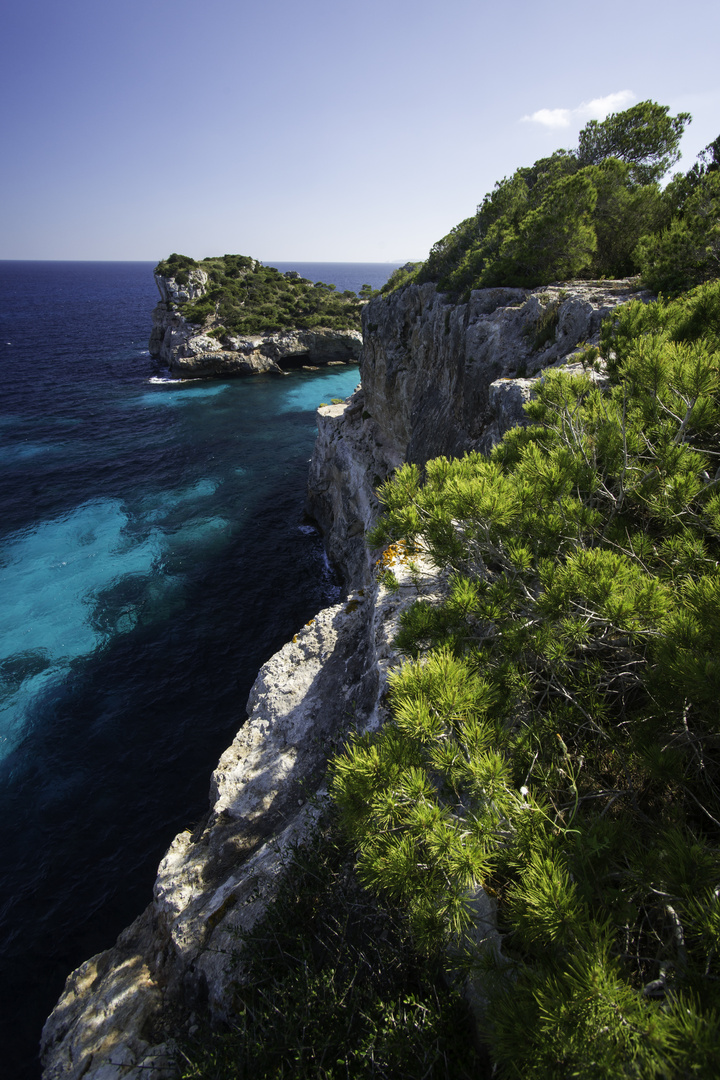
pixel 351 457
pixel 428 365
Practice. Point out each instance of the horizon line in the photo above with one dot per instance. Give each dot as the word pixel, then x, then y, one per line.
pixel 265 262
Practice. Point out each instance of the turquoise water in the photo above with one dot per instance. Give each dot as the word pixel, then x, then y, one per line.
pixel 72 581
pixel 153 553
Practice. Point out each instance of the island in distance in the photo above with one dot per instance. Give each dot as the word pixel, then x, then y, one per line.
pixel 230 315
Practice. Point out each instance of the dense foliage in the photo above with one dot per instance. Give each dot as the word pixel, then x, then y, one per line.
pixel 644 136
pixel 596 211
pixel 245 297
pixel 329 986
pixel 555 731
pixel 688 250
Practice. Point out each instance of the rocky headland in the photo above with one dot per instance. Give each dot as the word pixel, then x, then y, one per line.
pixel 436 378
pixel 440 378
pixel 191 350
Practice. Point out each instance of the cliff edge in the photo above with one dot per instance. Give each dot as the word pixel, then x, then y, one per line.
pixel 437 378
pixel 440 378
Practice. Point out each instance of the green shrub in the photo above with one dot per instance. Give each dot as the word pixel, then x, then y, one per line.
pixel 688 251
pixel 245 297
pixel 554 732
pixel 689 318
pixel 545 326
pixel 404 275
pixel 330 986
pixel 176 266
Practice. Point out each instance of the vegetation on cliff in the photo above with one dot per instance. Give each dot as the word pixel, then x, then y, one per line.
pixel 555 731
pixel 330 986
pixel 596 211
pixel 245 297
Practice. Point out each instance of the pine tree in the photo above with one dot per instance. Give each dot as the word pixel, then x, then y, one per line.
pixel 554 732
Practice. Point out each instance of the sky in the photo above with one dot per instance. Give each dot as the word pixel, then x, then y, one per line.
pixel 312 130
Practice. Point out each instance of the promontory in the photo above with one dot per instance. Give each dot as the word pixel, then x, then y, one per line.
pixel 233 316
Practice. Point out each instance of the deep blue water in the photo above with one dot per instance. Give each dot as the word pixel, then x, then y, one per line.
pixel 153 554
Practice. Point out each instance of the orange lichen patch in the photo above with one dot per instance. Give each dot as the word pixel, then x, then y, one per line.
pixel 400 552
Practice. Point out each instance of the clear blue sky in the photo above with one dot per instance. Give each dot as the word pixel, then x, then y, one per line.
pixel 312 130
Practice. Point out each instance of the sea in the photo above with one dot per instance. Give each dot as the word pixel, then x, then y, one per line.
pixel 153 554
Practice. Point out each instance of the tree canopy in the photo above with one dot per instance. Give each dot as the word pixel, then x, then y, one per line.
pixel 644 136
pixel 597 211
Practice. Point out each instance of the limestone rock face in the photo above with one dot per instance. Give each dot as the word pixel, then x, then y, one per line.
pixel 428 365
pixel 174 292
pixel 441 378
pixel 120 1010
pixel 350 458
pixel 190 352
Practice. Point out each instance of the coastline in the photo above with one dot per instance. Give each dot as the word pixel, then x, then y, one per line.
pixel 330 676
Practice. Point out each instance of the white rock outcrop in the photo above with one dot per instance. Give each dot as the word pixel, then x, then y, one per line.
pixel 120 1010
pixel 350 458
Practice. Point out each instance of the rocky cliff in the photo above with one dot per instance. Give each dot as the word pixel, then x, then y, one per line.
pixel 441 378
pixel 190 351
pixel 436 378
pixel 121 1010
